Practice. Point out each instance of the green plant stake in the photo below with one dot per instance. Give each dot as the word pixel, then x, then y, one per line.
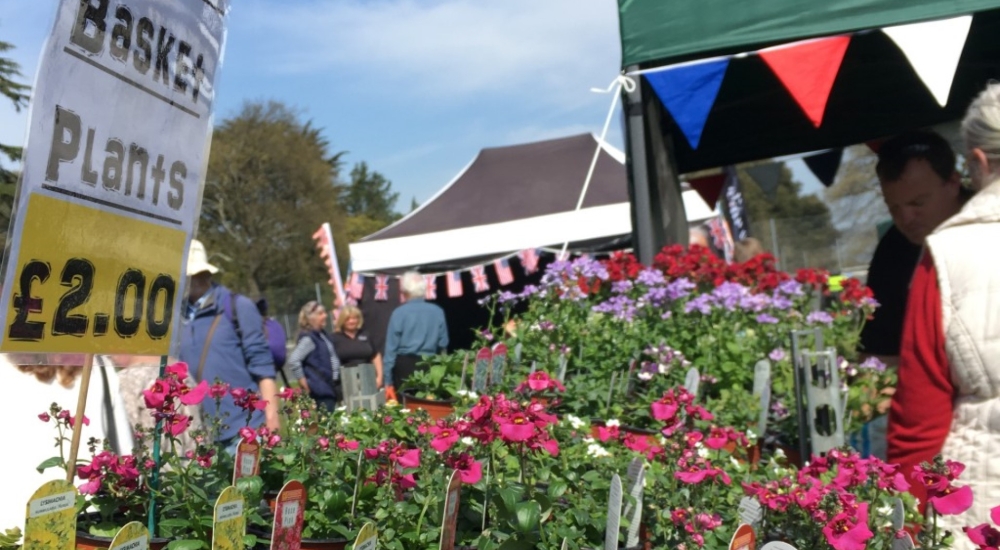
pixel 155 481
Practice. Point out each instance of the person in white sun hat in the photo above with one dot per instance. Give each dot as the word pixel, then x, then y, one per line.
pixel 222 339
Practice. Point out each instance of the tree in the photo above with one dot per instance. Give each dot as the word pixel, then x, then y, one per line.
pixel 856 204
pixel 369 194
pixel 806 236
pixel 414 204
pixel 17 93
pixel 271 183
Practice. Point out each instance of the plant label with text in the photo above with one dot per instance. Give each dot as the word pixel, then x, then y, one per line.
pixel 499 364
pixel 744 538
pixel 228 522
pixel 481 370
pixel 449 523
pixel 692 381
pixel 247 460
pixel 289 515
pixel 51 517
pixel 367 538
pixel 633 510
pixel 134 536
pixel 614 514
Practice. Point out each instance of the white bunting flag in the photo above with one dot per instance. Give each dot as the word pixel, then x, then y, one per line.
pixel 933 49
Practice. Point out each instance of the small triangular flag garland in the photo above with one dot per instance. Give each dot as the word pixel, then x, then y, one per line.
pixel 688 91
pixel 933 49
pixel 825 165
pixel 767 176
pixel 807 70
pixel 709 188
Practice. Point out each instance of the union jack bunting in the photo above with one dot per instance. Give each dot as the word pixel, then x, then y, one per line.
pixel 504 274
pixel 479 279
pixel 529 260
pixel 431 293
pixel 454 284
pixel 381 288
pixel 357 285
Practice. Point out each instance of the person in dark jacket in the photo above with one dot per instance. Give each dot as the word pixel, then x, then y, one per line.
pixel 314 360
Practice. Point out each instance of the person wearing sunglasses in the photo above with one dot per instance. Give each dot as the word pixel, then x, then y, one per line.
pixel 314 362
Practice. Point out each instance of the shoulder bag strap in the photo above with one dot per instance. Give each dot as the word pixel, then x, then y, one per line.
pixel 208 343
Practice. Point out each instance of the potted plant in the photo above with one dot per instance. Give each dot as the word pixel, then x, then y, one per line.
pixel 436 389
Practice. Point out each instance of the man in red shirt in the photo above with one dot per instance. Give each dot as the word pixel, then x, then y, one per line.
pixel 947 400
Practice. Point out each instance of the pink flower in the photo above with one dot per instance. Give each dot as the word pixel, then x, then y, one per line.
pixel 551 446
pixel 636 443
pixel 984 536
pixel 179 370
pixel 849 531
pixel 516 428
pixel 248 434
pixel 324 443
pixel 407 481
pixel 470 471
pixel 679 516
pixel 156 395
pixel 44 417
pixel 482 409
pixel 951 501
pixel 539 381
pixel 444 438
pixel 345 444
pixel 407 458
pixel 371 454
pixel 717 439
pixel 273 440
pixel 218 390
pixel 692 476
pixel 664 409
pixel 195 395
pixel 86 421
pixel 176 425
pixel 605 433
pixel 91 487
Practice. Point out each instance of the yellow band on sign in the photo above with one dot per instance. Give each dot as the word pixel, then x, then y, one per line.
pixel 73 291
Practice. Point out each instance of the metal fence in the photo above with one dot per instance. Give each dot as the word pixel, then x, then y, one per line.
pixel 800 243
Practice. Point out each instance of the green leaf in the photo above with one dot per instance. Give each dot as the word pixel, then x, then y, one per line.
pixel 528 516
pixel 50 463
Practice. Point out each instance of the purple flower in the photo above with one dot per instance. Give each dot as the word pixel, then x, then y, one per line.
pixel 755 302
pixel 781 302
pixel 790 288
pixel 650 277
pixel 872 363
pixel 701 303
pixel 820 317
pixel 679 289
pixel 730 294
pixel 656 295
pixel 507 296
pixel 779 410
pixel 766 319
pixel 546 325
pixel 666 315
pixel 622 307
pixel 621 287
pixel 777 354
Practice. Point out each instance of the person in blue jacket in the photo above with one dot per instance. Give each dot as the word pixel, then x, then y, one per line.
pixel 222 339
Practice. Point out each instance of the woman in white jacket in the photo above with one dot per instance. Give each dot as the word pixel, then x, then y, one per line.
pixel 30 389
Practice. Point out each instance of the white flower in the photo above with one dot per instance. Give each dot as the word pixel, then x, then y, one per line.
pixel 597 451
pixel 751 436
pixel 645 376
pixel 735 463
pixel 469 394
pixel 468 441
pixel 575 422
pixel 663 368
pixel 613 423
pixel 779 453
pixel 702 451
pixel 342 409
pixel 405 411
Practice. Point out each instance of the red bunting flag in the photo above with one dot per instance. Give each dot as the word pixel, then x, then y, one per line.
pixel 529 260
pixel 431 292
pixel 709 187
pixel 479 279
pixel 381 288
pixel 807 70
pixel 454 279
pixel 357 285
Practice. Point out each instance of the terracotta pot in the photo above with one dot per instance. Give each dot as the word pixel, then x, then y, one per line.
pixel 752 452
pixel 794 457
pixel 264 542
pixel 436 409
pixel 86 541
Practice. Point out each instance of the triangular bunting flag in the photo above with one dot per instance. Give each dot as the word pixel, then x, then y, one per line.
pixel 709 187
pixel 767 176
pixel 807 70
pixel 688 92
pixel 933 49
pixel 824 165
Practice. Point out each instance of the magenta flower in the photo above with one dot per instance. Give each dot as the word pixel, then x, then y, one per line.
pixel 407 458
pixel 516 428
pixel 951 501
pixel 345 444
pixel 195 395
pixel 444 438
pixel 539 381
pixel 218 390
pixel 664 409
pixel 717 439
pixel 605 433
pixel 324 443
pixel 44 417
pixel 849 531
pixel 469 470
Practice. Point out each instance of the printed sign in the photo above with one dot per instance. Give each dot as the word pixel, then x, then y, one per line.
pixel 692 381
pixel 289 512
pixel 518 350
pixel 51 517
pixel 367 538
pixel 121 120
pixel 778 545
pixel 481 372
pixel 134 536
pixel 247 460
pixel 750 511
pixel 228 525
pixel 449 523
pixel 499 364
pixel 762 389
pixel 633 510
pixel 898 514
pixel 561 372
pixel 614 514
pixel 743 539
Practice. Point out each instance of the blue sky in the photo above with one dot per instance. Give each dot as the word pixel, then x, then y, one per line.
pixel 413 87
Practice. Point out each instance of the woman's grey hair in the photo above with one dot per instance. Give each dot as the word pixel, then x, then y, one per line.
pixel 413 284
pixel 981 125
